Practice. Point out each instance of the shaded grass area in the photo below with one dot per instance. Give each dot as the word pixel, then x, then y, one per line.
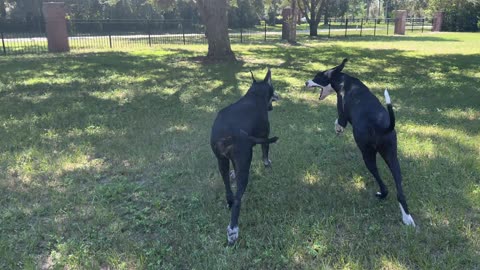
pixel 105 162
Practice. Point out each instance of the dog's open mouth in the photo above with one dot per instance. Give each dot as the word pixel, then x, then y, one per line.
pixel 311 84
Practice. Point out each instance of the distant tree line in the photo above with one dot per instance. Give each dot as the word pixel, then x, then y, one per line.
pixel 461 15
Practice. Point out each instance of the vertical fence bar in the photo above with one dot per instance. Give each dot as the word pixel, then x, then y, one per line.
pixel 412 21
pixel 3 44
pixel 375 27
pixel 183 34
pixel 265 30
pixel 346 25
pixel 423 22
pixel 361 27
pixel 329 25
pixel 241 35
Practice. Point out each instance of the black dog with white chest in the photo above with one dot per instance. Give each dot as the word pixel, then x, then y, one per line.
pixel 238 128
pixel 373 127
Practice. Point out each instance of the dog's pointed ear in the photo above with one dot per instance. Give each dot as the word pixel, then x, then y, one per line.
pixel 268 77
pixel 336 70
pixel 340 67
pixel 253 77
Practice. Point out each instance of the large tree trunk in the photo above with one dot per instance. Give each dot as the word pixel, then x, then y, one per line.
pixel 292 35
pixel 214 15
pixel 313 11
pixel 313 28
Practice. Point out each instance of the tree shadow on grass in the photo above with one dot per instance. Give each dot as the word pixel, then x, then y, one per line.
pixel 106 179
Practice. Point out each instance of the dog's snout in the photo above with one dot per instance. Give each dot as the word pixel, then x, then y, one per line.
pixel 306 83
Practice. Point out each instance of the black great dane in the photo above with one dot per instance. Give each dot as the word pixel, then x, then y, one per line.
pixel 238 128
pixel 373 127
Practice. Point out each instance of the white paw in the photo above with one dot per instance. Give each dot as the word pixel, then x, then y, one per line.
pixel 338 129
pixel 407 219
pixel 232 234
pixel 232 174
pixel 267 162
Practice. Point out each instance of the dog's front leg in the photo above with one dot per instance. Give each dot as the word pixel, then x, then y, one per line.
pixel 341 121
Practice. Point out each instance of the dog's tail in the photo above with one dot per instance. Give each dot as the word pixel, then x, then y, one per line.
pixel 256 140
pixel 391 127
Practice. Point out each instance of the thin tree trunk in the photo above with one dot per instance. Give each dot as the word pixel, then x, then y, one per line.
pixel 214 15
pixel 3 10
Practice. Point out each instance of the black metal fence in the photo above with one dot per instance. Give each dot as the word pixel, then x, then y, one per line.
pixel 23 36
pixel 30 37
pixel 365 26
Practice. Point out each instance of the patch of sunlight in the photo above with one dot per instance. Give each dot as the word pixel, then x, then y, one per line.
pixel 437 75
pixel 310 178
pixel 91 131
pixel 148 52
pixel 122 78
pixel 468 113
pixel 424 141
pixel 358 183
pixel 474 196
pixel 389 264
pixel 208 108
pixel 121 96
pixel 207 86
pixel 50 80
pixel 434 131
pixel 78 160
pixel 175 129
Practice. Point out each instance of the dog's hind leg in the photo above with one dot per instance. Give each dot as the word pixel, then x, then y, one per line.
pixel 370 159
pixel 390 156
pixel 223 166
pixel 242 166
pixel 265 149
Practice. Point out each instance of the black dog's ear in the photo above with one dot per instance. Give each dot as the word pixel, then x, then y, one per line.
pixel 253 78
pixel 341 66
pixel 336 70
pixel 268 77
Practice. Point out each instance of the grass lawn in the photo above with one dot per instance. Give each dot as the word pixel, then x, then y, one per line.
pixel 105 160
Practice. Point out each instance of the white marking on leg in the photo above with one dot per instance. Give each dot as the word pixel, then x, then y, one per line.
pixel 267 162
pixel 387 97
pixel 232 174
pixel 338 129
pixel 407 219
pixel 232 234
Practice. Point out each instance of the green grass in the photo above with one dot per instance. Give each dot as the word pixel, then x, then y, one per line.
pixel 105 160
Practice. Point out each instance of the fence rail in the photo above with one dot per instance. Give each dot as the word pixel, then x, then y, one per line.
pixel 30 37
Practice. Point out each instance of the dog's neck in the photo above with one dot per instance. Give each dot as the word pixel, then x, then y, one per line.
pixel 338 83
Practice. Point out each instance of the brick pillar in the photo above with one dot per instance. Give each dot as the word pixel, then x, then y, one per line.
pixel 437 22
pixel 287 15
pixel 400 21
pixel 56 26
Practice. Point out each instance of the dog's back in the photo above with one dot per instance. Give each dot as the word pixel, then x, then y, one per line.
pixel 365 111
